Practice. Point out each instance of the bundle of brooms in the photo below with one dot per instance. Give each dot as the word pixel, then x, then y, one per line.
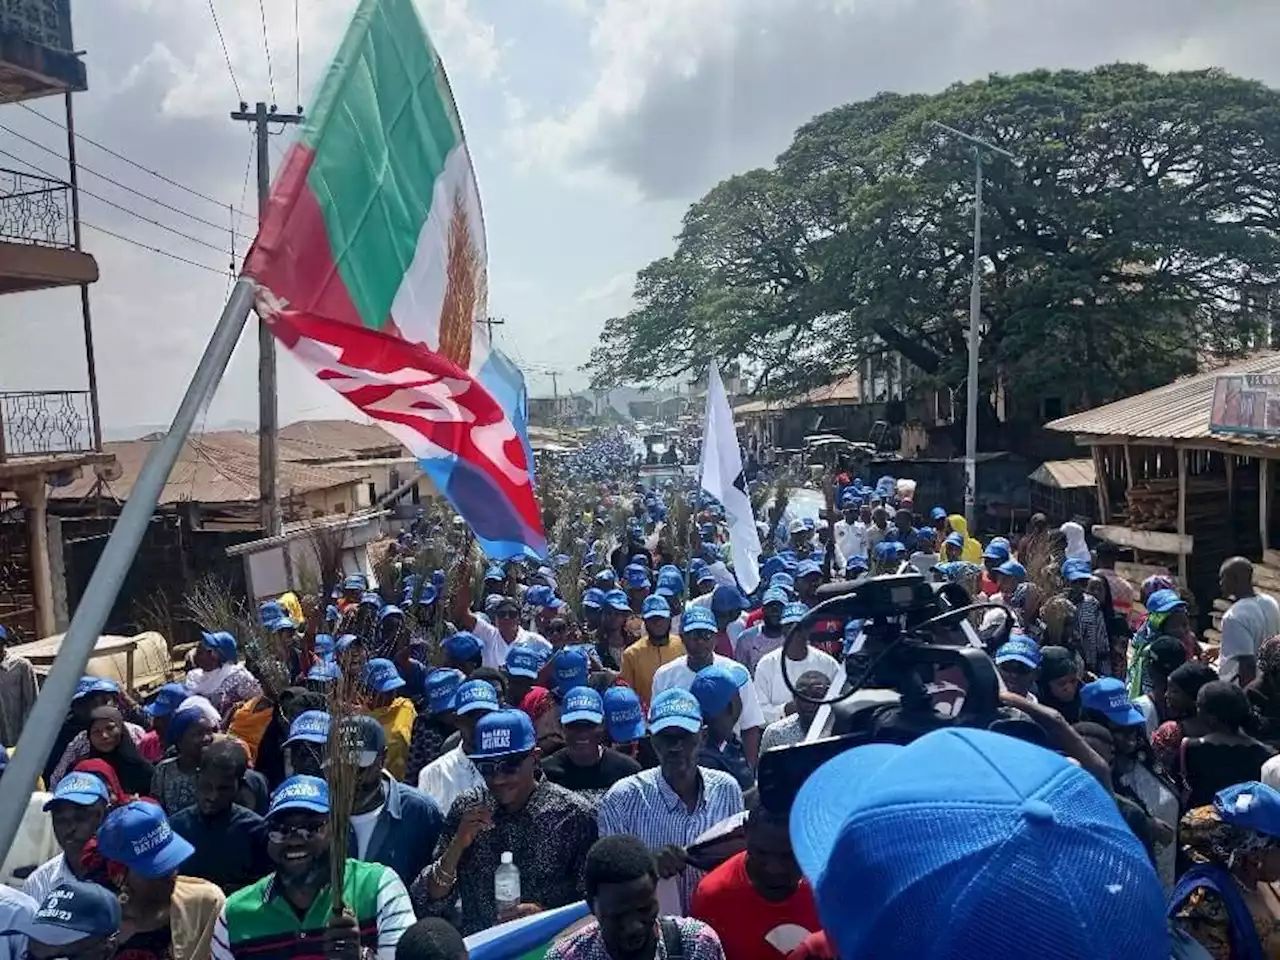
pixel 346 699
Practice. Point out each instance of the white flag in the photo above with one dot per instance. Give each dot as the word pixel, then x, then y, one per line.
pixel 722 477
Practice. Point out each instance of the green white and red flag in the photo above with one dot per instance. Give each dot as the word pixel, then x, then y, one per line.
pixel 372 270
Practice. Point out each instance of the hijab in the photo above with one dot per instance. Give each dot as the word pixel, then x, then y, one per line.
pixel 134 773
pixel 1056 663
pixel 1077 549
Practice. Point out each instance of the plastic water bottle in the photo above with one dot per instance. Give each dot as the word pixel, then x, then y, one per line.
pixel 506 884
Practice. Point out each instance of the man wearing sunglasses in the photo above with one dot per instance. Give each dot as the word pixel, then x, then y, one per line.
pixel 292 905
pixel 498 636
pixel 547 829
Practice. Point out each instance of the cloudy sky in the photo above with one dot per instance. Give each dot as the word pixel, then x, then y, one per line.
pixel 592 124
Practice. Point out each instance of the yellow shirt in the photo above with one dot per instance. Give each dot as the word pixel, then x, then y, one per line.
pixel 397 720
pixel 641 661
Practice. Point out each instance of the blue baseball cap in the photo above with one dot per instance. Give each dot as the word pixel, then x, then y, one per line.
pixel 223 643
pixel 168 698
pixel 523 661
pixel 783 581
pixel 770 566
pixel 996 550
pixel 310 726
pixel 793 613
pixel 82 789
pixel 138 835
pixel 371 599
pixel 390 610
pixel 617 600
pixel 623 715
pixel 775 595
pixel 655 606
pixel 1254 806
pixel 697 618
pixel 73 911
pixel 270 611
pixel 324 671
pixel 607 578
pixel 636 577
pixel 593 597
pixel 937 514
pixel 476 695
pixel 954 539
pixel 974 821
pixel 1021 650
pixel 502 733
pixel 539 596
pixel 1012 568
pixel 582 705
pixel 1164 601
pixel 889 549
pixel 355 581
pixel 1073 569
pixel 495 572
pixel 282 624
pixel 715 686
pixel 300 792
pixel 705 576
pixel 727 597
pixel 675 708
pixel 346 642
pixel 808 568
pixel 323 645
pixel 442 689
pixel 463 646
pixel 670 584
pixel 381 676
pixel 1110 697
pixel 571 669
pixel 87 686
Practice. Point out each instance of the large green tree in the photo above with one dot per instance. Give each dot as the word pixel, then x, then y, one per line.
pixel 1139 230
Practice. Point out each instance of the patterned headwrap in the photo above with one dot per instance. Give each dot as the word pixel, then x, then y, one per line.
pixel 1207 838
pixel 1269 658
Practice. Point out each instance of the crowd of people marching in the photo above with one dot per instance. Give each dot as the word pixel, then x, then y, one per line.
pixel 592 720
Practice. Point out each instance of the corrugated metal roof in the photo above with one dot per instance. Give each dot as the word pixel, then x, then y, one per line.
pixel 347 439
pixel 846 390
pixel 1176 411
pixel 1065 474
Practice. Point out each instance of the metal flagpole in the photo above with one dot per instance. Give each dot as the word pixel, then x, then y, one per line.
pixel 42 726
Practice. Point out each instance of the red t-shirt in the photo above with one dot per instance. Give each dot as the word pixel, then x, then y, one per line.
pixel 751 927
pixel 815 947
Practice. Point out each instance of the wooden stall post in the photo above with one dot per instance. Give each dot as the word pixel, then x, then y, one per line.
pixel 1128 466
pixel 1100 478
pixel 1182 509
pixel 1264 502
pixel 1229 462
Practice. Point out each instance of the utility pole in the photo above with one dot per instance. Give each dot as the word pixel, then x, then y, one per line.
pixel 555 397
pixel 490 323
pixel 268 422
pixel 975 311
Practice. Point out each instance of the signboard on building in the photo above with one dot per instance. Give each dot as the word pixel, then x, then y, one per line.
pixel 1246 403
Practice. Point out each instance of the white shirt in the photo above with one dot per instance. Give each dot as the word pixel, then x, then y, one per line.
pixel 851 538
pixel 495 649
pixel 924 562
pixel 1249 622
pixel 47 876
pixel 1271 772
pixel 677 674
pixel 362 825
pixel 446 778
pixel 16 908
pixel 33 844
pixel 772 690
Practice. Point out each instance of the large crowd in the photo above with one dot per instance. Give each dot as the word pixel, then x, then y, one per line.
pixel 526 735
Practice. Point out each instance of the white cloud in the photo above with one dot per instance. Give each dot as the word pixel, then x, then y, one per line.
pixel 688 91
pixel 616 288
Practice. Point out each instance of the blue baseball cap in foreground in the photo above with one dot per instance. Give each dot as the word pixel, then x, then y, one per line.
pixel 582 705
pixel 138 835
pixel 300 792
pixel 675 709
pixel 503 733
pixel 82 789
pixel 969 835
pixel 72 911
pixel 623 715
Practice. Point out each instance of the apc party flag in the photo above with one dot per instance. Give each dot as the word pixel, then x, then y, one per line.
pixel 372 271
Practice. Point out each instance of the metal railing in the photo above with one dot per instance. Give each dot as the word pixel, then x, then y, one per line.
pixel 35 210
pixel 35 422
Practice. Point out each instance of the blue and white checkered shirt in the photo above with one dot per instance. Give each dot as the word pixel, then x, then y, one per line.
pixel 645 806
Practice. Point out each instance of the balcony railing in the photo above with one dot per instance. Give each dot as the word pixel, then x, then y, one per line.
pixel 35 210
pixel 39 422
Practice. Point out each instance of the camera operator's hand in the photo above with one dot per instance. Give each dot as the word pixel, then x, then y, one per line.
pixel 672 861
pixel 1062 736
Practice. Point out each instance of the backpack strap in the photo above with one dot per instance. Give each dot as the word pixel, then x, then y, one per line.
pixel 672 941
pixel 1245 944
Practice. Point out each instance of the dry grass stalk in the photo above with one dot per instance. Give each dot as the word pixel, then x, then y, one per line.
pixel 465 294
pixel 214 606
pixel 328 543
pixel 341 769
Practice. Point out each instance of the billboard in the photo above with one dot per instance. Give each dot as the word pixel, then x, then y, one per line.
pixel 1246 403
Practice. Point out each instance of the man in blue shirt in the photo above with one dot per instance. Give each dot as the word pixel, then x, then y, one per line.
pixel 391 823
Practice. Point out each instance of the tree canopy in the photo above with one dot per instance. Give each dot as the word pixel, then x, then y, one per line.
pixel 1137 232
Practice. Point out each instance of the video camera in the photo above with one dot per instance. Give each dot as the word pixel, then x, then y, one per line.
pixel 915 666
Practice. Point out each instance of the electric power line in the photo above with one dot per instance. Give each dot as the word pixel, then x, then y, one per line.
pixel 225 53
pixel 103 176
pixel 120 207
pixel 266 46
pixel 151 249
pixel 134 163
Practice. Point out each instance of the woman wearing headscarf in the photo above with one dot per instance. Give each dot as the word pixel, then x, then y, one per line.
pixel 108 741
pixel 80 747
pixel 1233 845
pixel 1118 630
pixel 218 676
pixel 1181 691
pixel 1263 692
pixel 971 552
pixel 1164 655
pixel 1166 616
pixel 1076 548
pixel 1025 603
pixel 1059 682
pixel 174 783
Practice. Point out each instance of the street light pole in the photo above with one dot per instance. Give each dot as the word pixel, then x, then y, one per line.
pixel 975 312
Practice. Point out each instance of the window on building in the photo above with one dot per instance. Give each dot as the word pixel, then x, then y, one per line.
pixel 415 496
pixel 373 494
